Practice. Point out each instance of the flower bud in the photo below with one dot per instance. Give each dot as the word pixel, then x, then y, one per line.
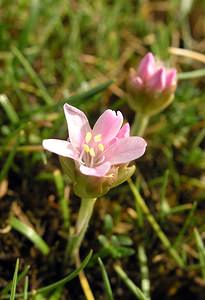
pixel 151 86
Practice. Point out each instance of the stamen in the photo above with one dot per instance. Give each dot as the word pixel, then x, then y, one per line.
pixel 92 152
pixel 100 160
pixel 110 175
pixel 86 148
pixel 88 137
pixel 101 147
pixel 98 138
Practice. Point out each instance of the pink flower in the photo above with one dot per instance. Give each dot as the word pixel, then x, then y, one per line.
pixel 152 76
pixel 95 151
pixel 151 86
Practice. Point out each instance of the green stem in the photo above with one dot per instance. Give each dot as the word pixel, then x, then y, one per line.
pixel 140 124
pixel 191 74
pixel 84 216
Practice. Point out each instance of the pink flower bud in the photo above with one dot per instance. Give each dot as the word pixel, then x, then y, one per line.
pixel 153 76
pixel 171 78
pixel 158 81
pixel 152 86
pixel 146 67
pixel 137 82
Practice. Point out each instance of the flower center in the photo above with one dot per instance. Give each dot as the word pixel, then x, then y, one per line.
pixel 92 149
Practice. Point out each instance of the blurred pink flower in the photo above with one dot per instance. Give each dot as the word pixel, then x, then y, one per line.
pixel 96 150
pixel 151 86
pixel 152 76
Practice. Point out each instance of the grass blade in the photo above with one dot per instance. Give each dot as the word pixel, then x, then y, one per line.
pixel 76 100
pixel 14 281
pixel 144 270
pixel 164 206
pixel 57 294
pixel 129 283
pixel 63 202
pixel 106 281
pixel 59 283
pixel 9 109
pixel 30 234
pixel 20 277
pixel 187 223
pixel 191 75
pixel 37 81
pixel 30 23
pixel 201 250
pixel 9 160
pixel 66 279
pixel 161 235
pixel 25 292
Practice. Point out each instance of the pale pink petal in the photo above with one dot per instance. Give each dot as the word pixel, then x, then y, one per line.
pixel 158 81
pixel 171 78
pixel 78 125
pixel 137 82
pixel 125 150
pixel 98 171
pixel 60 147
pixel 108 125
pixel 147 66
pixel 124 131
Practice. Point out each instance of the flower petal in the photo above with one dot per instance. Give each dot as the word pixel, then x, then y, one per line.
pixel 124 131
pixel 125 150
pixel 137 82
pixel 171 78
pixel 60 147
pixel 78 125
pixel 108 125
pixel 147 66
pixel 98 171
pixel 158 81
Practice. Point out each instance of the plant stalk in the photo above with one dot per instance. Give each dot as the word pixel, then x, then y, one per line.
pixel 140 124
pixel 84 216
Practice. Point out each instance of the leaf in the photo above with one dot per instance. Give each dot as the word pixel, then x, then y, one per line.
pixel 31 234
pixel 20 277
pixel 59 283
pixel 106 281
pixel 14 281
pixel 129 283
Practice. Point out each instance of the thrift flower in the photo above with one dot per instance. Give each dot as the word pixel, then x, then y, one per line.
pixel 152 86
pixel 96 159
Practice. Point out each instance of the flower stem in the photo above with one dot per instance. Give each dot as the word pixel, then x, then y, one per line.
pixel 140 124
pixel 84 216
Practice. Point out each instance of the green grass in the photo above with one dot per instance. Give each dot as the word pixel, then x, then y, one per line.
pixel 80 52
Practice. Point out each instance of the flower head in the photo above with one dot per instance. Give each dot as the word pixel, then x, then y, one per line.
pixel 95 151
pixel 95 159
pixel 152 76
pixel 152 83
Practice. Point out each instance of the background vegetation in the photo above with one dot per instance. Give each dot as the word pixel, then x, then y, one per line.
pixel 52 52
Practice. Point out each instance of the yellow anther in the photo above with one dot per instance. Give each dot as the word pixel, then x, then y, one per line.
pixel 92 152
pixel 98 138
pixel 86 148
pixel 101 147
pixel 88 137
pixel 110 175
